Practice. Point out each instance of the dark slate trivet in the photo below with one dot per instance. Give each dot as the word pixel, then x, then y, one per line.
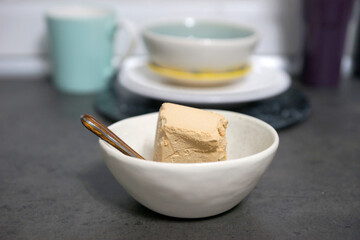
pixel 282 111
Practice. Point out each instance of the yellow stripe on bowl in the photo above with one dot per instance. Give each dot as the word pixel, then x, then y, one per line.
pixel 199 76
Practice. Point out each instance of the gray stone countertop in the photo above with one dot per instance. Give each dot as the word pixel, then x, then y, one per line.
pixel 54 184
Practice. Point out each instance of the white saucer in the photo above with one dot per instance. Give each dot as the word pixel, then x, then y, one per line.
pixel 263 82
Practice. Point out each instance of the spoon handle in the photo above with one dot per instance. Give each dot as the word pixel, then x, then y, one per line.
pixel 107 135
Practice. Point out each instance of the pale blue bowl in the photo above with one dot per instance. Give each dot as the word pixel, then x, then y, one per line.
pixel 199 45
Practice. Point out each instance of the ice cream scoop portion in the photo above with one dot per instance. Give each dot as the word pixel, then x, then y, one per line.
pixel 189 135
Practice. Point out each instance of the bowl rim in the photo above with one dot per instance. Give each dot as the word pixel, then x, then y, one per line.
pixel 146 33
pixel 136 161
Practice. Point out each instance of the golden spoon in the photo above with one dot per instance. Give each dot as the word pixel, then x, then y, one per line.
pixel 107 135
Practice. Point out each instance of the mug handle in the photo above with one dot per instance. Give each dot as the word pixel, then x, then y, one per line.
pixel 132 32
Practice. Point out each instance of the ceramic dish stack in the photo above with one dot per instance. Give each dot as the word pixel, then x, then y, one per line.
pixel 201 62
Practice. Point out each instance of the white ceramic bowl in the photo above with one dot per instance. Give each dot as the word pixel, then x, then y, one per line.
pixel 192 190
pixel 199 45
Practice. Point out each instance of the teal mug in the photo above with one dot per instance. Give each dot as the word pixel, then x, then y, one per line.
pixel 81 43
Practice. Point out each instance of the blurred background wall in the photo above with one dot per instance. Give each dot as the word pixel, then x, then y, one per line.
pixel 23 47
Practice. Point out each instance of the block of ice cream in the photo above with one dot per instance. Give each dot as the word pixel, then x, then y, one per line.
pixel 188 135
